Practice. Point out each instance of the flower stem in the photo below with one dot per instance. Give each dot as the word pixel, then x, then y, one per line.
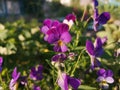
pixel 76 64
pixel 83 16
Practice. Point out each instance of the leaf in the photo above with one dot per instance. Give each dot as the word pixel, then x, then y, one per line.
pixel 85 87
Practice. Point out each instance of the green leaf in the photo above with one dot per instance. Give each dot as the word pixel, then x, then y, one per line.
pixel 85 87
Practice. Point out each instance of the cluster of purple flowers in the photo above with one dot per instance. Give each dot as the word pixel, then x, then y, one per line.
pixel 57 33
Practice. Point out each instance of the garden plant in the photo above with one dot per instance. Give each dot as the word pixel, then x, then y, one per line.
pixel 55 55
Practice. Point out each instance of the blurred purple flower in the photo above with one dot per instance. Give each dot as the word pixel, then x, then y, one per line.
pixel 36 73
pixel 36 88
pixel 59 57
pixel 99 19
pixel 64 81
pixel 1 61
pixel 94 50
pixel 105 77
pixel 70 17
pixel 69 20
pixel 47 25
pixel 59 37
pixel 15 77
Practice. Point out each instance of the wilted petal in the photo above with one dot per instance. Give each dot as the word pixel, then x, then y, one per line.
pixel 104 17
pixel 74 82
pixel 109 80
pixel 100 79
pixel 66 37
pixel 62 81
pixel 89 47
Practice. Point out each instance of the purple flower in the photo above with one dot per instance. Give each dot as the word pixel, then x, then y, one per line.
pixel 15 77
pixel 94 50
pixel 99 19
pixel 59 57
pixel 36 88
pixel 64 81
pixel 36 73
pixel 69 20
pixel 70 17
pixel 105 77
pixel 1 61
pixel 59 37
pixel 47 25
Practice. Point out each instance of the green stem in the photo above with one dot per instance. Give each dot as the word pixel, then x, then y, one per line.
pixel 77 38
pixel 83 14
pixel 76 64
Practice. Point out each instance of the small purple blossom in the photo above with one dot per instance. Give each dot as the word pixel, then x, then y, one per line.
pixel 59 37
pixel 15 77
pixel 69 20
pixel 47 25
pixel 1 61
pixel 64 81
pixel 36 73
pixel 59 57
pixel 99 19
pixel 36 88
pixel 95 49
pixel 70 17
pixel 105 77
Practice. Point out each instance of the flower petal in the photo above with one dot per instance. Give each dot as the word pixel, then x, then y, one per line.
pixel 66 37
pixel 74 82
pixel 109 73
pixel 70 17
pixel 47 22
pixel 101 72
pixel 62 81
pixel 89 47
pixel 62 48
pixel 109 80
pixel 53 36
pixel 44 29
pixel 62 28
pixel 100 79
pixel 104 17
